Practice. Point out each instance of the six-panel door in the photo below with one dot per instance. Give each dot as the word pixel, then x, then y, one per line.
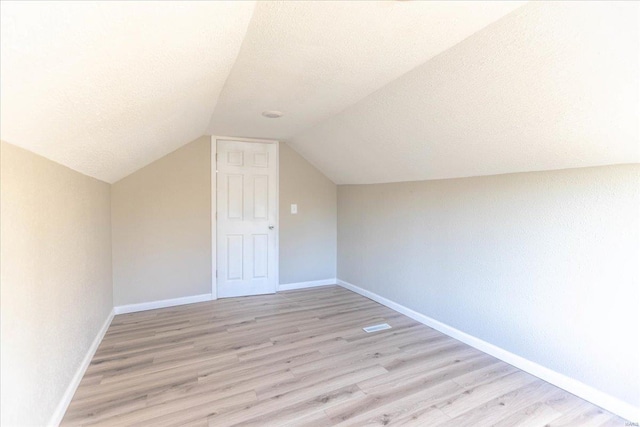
pixel 246 218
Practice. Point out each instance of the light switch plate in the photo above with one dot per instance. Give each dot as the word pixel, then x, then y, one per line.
pixel 294 209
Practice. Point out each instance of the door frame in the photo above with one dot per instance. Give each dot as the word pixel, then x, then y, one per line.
pixel 214 207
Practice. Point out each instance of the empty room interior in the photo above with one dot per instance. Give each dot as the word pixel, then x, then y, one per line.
pixel 320 213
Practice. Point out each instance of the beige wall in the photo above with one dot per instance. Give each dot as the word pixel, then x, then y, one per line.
pixel 56 287
pixel 162 228
pixel 308 238
pixel 542 264
pixel 73 247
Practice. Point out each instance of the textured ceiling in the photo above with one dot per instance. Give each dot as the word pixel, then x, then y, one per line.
pixel 371 91
pixel 553 85
pixel 312 59
pixel 108 87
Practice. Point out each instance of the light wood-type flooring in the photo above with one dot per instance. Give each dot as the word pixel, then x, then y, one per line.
pixel 301 358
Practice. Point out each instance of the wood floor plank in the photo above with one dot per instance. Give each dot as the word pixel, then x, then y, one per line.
pixel 301 358
pixel 535 414
pixel 395 406
pixel 296 412
pixel 174 412
pixel 585 414
pixel 312 419
pixel 484 393
pixel 495 410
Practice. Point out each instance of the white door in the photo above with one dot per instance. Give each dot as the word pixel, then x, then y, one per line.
pixel 246 218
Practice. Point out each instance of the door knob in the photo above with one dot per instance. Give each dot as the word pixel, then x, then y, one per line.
pixel 271 227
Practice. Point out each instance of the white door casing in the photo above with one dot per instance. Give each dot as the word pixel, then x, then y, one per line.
pixel 246 223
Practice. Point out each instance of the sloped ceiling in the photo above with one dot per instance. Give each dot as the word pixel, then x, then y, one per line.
pixel 371 91
pixel 553 85
pixel 311 59
pixel 108 87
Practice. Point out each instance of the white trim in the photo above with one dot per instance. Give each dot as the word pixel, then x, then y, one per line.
pixel 214 220
pixel 143 306
pixel 214 224
pixel 277 255
pixel 242 139
pixel 303 285
pixel 61 409
pixel 586 392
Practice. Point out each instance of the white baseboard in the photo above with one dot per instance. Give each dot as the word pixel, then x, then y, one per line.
pixel 586 392
pixel 58 414
pixel 143 306
pixel 311 284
